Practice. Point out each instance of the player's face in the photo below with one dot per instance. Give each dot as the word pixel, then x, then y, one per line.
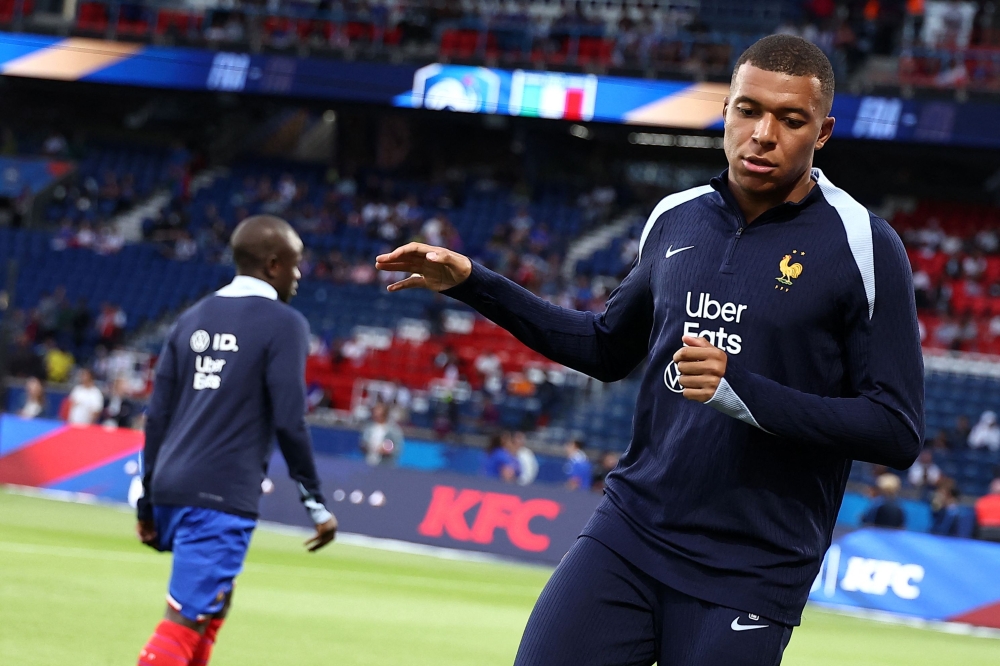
pixel 287 273
pixel 773 124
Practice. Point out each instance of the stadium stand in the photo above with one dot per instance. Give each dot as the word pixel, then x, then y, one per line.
pixel 951 245
pixel 112 178
pixel 680 37
pixel 454 372
pixel 156 285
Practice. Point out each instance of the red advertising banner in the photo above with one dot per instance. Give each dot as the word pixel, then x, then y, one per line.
pixel 536 523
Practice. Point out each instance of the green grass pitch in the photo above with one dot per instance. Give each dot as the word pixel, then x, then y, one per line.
pixel 76 588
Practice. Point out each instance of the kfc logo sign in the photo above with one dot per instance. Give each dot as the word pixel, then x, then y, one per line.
pixel 449 507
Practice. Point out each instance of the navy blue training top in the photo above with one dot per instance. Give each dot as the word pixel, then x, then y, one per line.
pixel 734 501
pixel 230 378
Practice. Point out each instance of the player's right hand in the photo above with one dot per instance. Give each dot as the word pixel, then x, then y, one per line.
pixel 434 268
pixel 146 531
pixel 325 533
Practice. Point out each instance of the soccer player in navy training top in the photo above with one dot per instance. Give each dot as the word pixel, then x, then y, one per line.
pixel 778 320
pixel 230 378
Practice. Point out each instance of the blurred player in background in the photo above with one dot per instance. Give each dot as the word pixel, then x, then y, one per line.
pixel 230 378
pixel 778 318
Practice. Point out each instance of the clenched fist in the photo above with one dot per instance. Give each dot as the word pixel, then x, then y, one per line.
pixel 702 367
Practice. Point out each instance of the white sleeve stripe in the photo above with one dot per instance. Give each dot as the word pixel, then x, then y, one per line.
pixel 726 401
pixel 858 225
pixel 666 204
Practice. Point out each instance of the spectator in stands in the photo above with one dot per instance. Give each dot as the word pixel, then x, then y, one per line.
pixel 607 462
pixel 25 361
pixel 948 518
pixel 988 513
pixel 501 463
pixel 885 511
pixel 948 334
pixel 381 440
pixel 490 370
pixel 986 433
pixel 923 289
pixel 924 474
pixel 948 24
pixel 526 460
pixel 48 312
pixel 58 362
pixel 34 399
pixel 940 442
pixel 109 240
pixel 85 401
pixel 958 438
pixel 185 247
pixel 110 324
pixel 119 409
pixel 55 145
pixel 86 237
pixel 80 322
pixel 447 362
pixel 489 416
pixel 578 469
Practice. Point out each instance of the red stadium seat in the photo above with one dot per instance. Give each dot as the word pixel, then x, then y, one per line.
pixel 595 51
pixel 92 17
pixel 176 22
pixel 359 32
pixel 133 22
pixel 8 10
pixel 278 27
pixel 460 44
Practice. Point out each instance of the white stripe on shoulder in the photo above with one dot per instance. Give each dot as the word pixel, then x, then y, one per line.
pixel 858 225
pixel 666 204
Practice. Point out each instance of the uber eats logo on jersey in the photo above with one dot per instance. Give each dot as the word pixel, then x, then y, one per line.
pixel 706 308
pixel 703 307
pixel 206 368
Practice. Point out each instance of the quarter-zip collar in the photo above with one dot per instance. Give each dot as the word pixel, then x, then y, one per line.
pixel 780 212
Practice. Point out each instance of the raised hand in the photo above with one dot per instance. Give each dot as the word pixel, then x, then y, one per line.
pixel 702 367
pixel 434 268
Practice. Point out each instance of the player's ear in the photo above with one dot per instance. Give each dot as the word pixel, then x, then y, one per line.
pixel 272 266
pixel 825 132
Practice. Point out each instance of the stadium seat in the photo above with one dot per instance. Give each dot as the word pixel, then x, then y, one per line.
pixel 91 17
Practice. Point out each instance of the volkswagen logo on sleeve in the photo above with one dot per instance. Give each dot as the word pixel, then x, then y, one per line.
pixel 672 377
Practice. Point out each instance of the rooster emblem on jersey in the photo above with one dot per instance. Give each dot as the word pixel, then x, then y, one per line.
pixel 789 271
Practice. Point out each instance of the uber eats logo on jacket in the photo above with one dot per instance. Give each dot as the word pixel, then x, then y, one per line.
pixel 703 306
pixel 706 309
pixel 206 368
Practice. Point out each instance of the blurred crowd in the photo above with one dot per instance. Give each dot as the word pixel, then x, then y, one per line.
pixel 950 517
pixel 926 481
pixel 48 337
pixel 386 214
pixel 681 37
pixel 119 404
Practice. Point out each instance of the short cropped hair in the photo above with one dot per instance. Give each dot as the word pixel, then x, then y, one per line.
pixel 788 54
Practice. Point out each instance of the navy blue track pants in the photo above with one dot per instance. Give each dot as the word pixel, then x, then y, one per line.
pixel 599 610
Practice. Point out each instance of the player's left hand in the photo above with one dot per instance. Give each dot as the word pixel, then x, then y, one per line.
pixel 702 366
pixel 325 533
pixel 146 531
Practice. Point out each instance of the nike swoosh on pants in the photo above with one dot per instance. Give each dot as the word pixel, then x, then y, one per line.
pixel 736 626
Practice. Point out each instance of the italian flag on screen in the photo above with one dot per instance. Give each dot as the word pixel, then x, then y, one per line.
pixel 553 95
